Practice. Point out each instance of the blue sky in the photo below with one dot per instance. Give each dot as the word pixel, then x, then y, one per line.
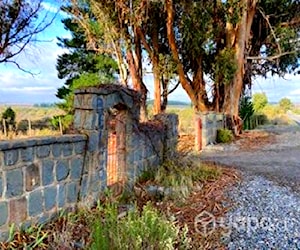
pixel 19 87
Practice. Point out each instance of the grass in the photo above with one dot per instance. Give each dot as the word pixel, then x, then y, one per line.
pixel 33 113
pixel 146 229
pixel 180 175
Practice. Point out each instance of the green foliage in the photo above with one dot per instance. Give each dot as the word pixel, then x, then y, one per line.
pixel 224 136
pixel 33 237
pixel 80 67
pixel 9 115
pixel 246 111
pixel 225 66
pixel 246 108
pixel 285 104
pixel 181 175
pixel 260 100
pixel 66 121
pixel 146 230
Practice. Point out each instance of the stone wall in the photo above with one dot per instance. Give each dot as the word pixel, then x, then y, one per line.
pixel 40 176
pixel 209 124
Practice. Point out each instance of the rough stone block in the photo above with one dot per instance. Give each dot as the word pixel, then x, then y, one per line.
pixel 47 172
pixel 78 119
pixel 14 183
pixel 72 192
pixel 67 149
pixel 43 151
pixel 62 170
pixel 56 150
pixel 79 147
pixel 61 195
pixel 50 194
pixel 32 177
pixel 27 154
pixel 84 186
pixel 3 213
pixel 1 185
pixel 43 219
pixel 90 120
pixel 93 143
pixel 35 203
pixel 76 168
pixel 4 235
pixel 17 210
pixel 99 103
pixel 95 182
pixel 11 157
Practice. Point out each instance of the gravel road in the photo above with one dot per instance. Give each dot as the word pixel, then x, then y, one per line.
pixel 266 212
pixel 278 161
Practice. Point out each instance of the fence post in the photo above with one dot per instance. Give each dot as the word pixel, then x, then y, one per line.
pixel 4 128
pixel 29 128
pixel 60 126
pixel 198 133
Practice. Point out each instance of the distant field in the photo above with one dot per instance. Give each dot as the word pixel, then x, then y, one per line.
pixel 24 112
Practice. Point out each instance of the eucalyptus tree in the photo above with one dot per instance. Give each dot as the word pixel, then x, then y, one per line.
pixel 119 21
pixel 219 46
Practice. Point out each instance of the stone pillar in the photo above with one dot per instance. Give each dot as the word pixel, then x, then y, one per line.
pixel 89 119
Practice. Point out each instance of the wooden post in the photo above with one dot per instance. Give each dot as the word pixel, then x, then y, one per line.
pixel 4 128
pixel 60 126
pixel 29 128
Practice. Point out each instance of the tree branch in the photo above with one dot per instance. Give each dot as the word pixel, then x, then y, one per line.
pixel 271 58
pixel 21 68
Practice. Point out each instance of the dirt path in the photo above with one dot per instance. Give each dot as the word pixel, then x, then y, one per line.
pixel 273 153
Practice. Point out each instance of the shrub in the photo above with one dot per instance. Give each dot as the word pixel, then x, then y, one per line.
pixel 260 100
pixel 147 229
pixel 224 136
pixel 285 104
pixel 178 176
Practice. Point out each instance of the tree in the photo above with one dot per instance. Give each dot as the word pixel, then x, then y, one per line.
pixel 80 66
pixel 119 21
pixel 260 100
pixel 20 22
pixel 234 39
pixel 285 104
pixel 9 116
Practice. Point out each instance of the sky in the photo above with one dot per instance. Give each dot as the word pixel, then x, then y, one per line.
pixel 17 87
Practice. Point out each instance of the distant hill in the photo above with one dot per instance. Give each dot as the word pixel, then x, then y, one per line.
pixel 172 103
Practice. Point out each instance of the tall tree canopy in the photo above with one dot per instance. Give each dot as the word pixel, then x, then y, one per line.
pixel 217 46
pixel 20 22
pixel 80 66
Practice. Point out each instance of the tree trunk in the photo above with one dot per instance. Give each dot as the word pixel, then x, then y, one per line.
pixel 157 87
pixel 138 84
pixel 196 88
pixel 165 83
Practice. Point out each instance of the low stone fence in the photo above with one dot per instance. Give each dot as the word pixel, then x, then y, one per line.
pixel 207 126
pixel 40 176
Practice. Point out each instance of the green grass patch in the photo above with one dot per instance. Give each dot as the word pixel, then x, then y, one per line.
pixel 224 136
pixel 146 229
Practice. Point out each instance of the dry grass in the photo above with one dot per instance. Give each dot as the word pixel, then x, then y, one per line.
pixel 34 133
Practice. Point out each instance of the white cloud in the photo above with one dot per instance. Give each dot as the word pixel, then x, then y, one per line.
pixel 19 87
pixel 50 7
pixel 277 88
